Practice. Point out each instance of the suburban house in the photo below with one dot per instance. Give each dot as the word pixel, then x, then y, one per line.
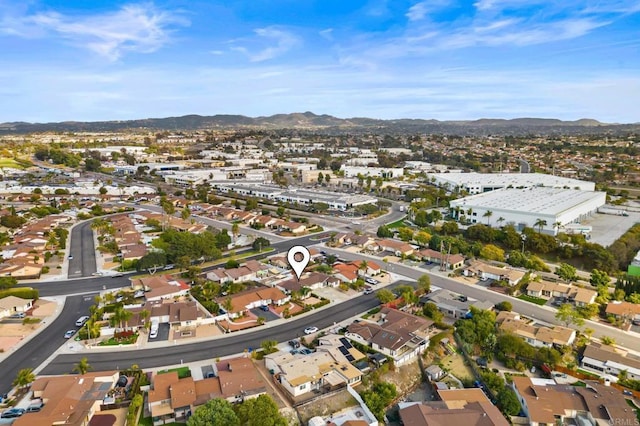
pixel 293 227
pixel 535 335
pixel 623 310
pixel 397 334
pixel 544 402
pixel 252 270
pixel 434 372
pixel 321 370
pixel 485 272
pixel 346 272
pixel 468 407
pixel 253 298
pixel 158 287
pixel 547 290
pixel 609 361
pixel 311 280
pixel 452 304
pixel 12 305
pixel 71 400
pixel 452 261
pixel 369 268
pixel 173 399
pixel 398 248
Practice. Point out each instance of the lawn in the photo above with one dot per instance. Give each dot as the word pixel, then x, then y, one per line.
pixel 11 163
pixel 397 224
pixel 120 341
pixel 454 363
pixel 532 299
pixel 183 372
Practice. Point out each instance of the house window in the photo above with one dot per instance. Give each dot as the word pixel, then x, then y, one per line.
pixel 302 387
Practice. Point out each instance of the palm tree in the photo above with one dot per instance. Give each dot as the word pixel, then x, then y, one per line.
pixel 364 266
pixel 235 230
pixel 144 314
pixel 83 366
pixel 488 215
pixel 24 377
pixel 228 305
pixel 540 223
pixel 500 220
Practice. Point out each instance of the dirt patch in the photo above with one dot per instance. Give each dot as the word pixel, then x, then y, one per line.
pixel 455 365
pixel 43 308
pixel 326 406
pixel 406 377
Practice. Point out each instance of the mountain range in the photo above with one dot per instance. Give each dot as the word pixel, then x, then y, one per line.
pixel 330 124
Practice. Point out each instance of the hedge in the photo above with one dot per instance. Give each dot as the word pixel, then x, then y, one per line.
pixel 21 292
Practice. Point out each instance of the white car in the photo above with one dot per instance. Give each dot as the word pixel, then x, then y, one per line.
pixel 69 334
pixel 310 330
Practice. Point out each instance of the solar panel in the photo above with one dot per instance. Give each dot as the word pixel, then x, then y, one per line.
pixel 344 350
pixel 346 342
pixel 350 358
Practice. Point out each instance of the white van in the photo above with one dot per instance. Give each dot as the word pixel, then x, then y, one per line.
pixel 81 321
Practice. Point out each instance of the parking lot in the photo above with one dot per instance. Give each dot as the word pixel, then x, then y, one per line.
pixel 607 227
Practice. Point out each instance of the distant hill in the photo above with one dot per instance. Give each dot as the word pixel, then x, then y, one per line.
pixel 328 123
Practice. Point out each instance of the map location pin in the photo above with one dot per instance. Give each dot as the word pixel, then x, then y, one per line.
pixel 298 265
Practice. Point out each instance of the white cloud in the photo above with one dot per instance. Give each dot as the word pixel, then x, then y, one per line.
pixel 419 11
pixel 133 28
pixel 280 42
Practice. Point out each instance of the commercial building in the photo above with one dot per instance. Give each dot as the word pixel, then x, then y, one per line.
pixel 383 172
pixel 543 208
pixel 477 183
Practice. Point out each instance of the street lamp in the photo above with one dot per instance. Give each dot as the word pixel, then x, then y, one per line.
pixel 524 238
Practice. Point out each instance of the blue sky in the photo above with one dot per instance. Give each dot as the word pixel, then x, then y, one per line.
pixel 443 59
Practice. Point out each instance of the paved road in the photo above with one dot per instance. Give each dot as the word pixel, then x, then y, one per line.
pixel 40 347
pixel 83 263
pixel 233 344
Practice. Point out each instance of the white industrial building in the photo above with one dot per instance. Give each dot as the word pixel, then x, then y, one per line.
pixel 477 183
pixel 384 172
pixel 335 200
pixel 524 207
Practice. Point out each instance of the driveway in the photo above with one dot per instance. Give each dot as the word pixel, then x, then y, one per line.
pixel 163 333
pixel 267 315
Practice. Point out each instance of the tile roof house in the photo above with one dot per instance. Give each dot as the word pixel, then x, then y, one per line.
pixel 535 335
pixel 253 298
pixel 250 271
pixel 484 271
pixel 11 304
pixel 625 310
pixel 398 334
pixel 453 261
pixel 173 399
pixel 159 287
pixel 608 361
pixel 543 402
pixel 398 248
pixel 546 290
pixel 312 280
pixel 346 272
pixel 69 400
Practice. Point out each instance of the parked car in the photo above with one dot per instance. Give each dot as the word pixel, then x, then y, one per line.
pixel 119 274
pixel 264 308
pixel 12 413
pixel 294 344
pixel 18 315
pixel 82 321
pixel 70 257
pixel 368 290
pixel 310 330
pixel 305 351
pixel 371 281
pixel 35 406
pixel 69 334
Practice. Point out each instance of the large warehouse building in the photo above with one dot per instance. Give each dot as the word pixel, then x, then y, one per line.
pixel 530 206
pixel 477 183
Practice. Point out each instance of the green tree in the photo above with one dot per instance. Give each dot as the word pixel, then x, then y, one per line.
pixel 540 223
pixel 492 252
pixel 385 296
pixel 508 401
pixel 424 284
pixel 599 278
pixel 251 204
pixel 280 211
pixel 269 346
pixel 430 310
pixel 185 214
pixel 24 378
pixel 82 367
pixel 488 215
pixel 384 232
pixel 567 272
pixel 569 315
pixel 260 244
pixel 235 230
pixel 405 233
pixel 260 411
pixel 216 412
pixel 505 305
pixel 450 228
